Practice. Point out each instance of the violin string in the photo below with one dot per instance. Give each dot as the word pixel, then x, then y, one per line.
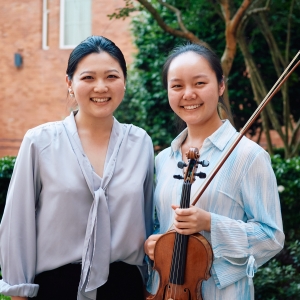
pixel 178 250
pixel 174 257
pixel 183 237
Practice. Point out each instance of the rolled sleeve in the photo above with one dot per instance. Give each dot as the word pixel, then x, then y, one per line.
pixel 21 290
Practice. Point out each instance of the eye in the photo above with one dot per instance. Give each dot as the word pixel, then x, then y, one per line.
pixel 112 76
pixel 199 83
pixel 87 77
pixel 175 86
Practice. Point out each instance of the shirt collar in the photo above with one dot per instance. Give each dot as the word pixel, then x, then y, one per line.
pixel 219 138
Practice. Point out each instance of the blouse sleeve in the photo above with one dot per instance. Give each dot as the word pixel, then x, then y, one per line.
pixel 18 226
pixel 240 247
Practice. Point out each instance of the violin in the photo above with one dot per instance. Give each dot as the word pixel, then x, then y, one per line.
pixel 183 261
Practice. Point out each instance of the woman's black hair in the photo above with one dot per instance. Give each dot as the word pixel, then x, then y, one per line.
pixel 214 63
pixel 95 44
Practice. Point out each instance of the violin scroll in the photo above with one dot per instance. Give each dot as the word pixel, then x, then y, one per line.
pixel 192 156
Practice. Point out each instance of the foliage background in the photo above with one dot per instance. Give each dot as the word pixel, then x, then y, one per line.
pixel 146 102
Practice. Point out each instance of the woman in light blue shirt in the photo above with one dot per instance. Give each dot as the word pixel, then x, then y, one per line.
pixel 79 204
pixel 239 213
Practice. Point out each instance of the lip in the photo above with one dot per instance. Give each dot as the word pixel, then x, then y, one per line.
pixel 100 100
pixel 191 106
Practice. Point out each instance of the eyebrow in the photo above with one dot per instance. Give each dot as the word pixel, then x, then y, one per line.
pixel 111 70
pixel 194 77
pixel 93 72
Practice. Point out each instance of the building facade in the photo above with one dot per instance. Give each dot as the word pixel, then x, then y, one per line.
pixel 36 38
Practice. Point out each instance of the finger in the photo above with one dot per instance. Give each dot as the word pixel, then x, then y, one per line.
pixel 184 231
pixel 154 237
pixel 175 206
pixel 184 211
pixel 182 225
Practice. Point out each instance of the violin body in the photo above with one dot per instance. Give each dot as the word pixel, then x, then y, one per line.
pixel 198 263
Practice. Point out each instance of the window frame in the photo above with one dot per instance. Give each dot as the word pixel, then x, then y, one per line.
pixel 45 31
pixel 62 28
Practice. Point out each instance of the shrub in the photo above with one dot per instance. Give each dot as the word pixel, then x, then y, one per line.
pixel 6 168
pixel 280 278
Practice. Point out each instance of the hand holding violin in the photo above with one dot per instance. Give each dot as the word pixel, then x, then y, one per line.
pixel 150 243
pixel 191 220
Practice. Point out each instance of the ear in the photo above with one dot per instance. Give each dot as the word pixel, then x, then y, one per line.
pixel 68 81
pixel 222 87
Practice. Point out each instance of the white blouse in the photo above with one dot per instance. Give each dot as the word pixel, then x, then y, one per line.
pixel 59 211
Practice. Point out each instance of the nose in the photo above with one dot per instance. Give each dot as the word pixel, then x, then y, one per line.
pixel 189 94
pixel 100 87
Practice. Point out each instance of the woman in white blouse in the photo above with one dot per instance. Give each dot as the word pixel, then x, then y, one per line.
pixel 239 213
pixel 79 204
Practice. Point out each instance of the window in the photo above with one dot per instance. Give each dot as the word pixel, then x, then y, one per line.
pixel 45 44
pixel 75 22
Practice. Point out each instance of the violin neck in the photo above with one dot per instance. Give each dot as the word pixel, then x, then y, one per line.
pixel 180 245
pixel 186 195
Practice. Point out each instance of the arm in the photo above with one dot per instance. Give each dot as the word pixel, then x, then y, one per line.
pixel 240 247
pixel 18 227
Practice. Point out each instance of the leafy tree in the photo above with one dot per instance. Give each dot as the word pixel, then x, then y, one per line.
pixel 146 102
pixel 247 24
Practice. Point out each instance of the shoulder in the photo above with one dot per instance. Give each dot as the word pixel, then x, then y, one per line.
pixel 252 150
pixel 162 157
pixel 136 133
pixel 44 134
pixel 249 157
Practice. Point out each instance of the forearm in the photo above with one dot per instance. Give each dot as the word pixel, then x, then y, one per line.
pixel 18 298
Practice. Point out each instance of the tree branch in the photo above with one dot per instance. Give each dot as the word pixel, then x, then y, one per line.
pixel 295 132
pixel 188 35
pixel 231 32
pixel 177 12
pixel 239 14
pixel 296 148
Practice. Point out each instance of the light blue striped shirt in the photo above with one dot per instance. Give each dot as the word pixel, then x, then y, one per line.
pixel 246 223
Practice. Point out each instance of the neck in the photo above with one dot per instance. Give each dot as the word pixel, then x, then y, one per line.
pixel 198 133
pixel 93 126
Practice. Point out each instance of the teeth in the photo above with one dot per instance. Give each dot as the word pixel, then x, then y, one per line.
pixel 192 106
pixel 100 100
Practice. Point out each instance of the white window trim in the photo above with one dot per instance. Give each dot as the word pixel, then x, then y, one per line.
pixel 45 25
pixel 62 28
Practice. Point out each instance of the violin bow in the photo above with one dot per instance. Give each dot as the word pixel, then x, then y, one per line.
pixel 281 80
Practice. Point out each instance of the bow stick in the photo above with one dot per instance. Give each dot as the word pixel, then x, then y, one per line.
pixel 281 80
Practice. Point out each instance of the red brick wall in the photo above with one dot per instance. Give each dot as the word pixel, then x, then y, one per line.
pixel 36 93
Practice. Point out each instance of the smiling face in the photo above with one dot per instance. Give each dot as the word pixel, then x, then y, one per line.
pixel 193 90
pixel 98 85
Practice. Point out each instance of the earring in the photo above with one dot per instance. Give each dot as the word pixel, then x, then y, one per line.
pixel 125 88
pixel 71 93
